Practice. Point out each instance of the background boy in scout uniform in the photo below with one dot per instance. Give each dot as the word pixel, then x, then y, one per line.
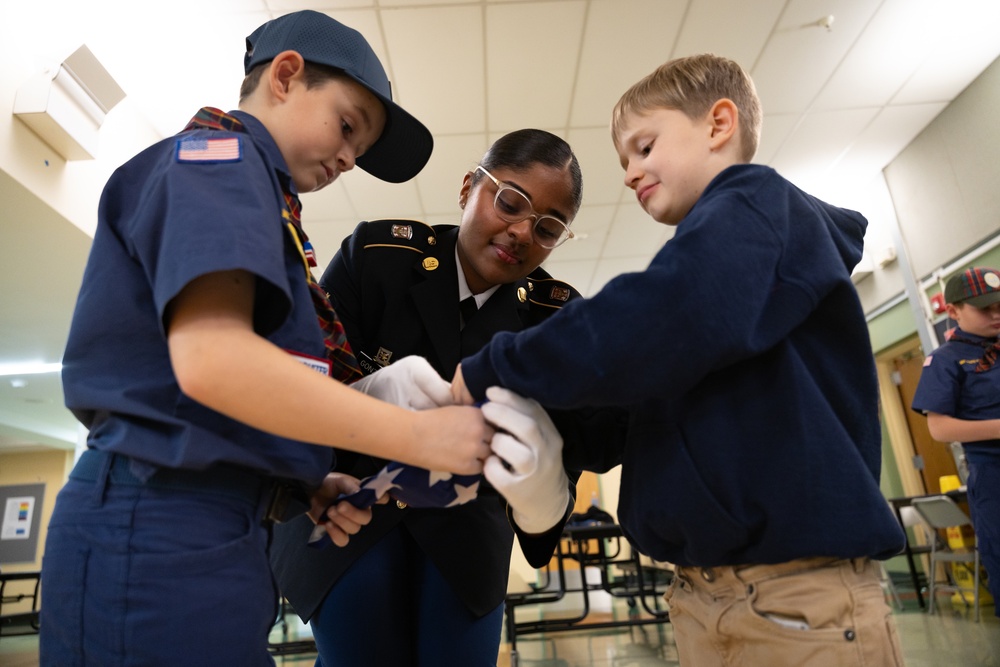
pixel 426 586
pixel 959 391
pixel 183 361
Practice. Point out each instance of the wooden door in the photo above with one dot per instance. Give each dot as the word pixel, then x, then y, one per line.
pixel 587 491
pixel 936 456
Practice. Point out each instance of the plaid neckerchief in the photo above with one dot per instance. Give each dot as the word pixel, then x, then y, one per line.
pixel 991 351
pixel 344 366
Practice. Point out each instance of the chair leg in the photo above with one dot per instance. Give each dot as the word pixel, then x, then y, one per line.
pixel 975 582
pixel 931 577
pixel 889 586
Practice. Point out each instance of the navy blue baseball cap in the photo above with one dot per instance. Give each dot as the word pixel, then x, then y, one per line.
pixel 405 145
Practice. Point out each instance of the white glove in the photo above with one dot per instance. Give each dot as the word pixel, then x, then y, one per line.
pixel 526 465
pixel 410 383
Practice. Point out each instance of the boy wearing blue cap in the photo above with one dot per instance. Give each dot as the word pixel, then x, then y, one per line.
pixel 753 451
pixel 959 391
pixel 203 358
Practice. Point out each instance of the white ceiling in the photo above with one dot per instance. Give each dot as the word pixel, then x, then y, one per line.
pixel 839 104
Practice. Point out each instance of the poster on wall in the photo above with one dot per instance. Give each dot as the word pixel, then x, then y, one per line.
pixel 20 524
pixel 17 518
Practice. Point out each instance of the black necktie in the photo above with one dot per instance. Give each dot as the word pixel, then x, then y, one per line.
pixel 468 308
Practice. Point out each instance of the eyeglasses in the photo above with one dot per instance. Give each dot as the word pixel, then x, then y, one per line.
pixel 513 206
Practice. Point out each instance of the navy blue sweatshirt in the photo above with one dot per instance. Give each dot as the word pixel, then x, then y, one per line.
pixel 743 356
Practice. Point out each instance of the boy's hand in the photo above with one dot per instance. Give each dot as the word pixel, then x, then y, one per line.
pixel 526 467
pixel 342 519
pixel 410 383
pixel 453 439
pixel 459 392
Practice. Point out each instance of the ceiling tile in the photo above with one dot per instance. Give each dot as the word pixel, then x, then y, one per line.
pixel 287 6
pixel 775 131
pixel 441 180
pixel 439 72
pixel 531 54
pixel 633 233
pixel 623 42
pixel 886 54
pixel 330 203
pixel 801 56
pixel 947 69
pixel 590 228
pixel 885 136
pixel 817 143
pixel 373 198
pixel 602 171
pixel 422 3
pixel 740 36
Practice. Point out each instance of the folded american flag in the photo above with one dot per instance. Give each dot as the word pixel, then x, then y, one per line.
pixel 417 487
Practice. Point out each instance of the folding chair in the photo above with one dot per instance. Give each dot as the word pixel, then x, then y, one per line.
pixel 888 587
pixel 941 512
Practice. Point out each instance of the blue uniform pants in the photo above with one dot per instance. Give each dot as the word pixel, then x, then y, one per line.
pixel 984 509
pixel 136 574
pixel 392 608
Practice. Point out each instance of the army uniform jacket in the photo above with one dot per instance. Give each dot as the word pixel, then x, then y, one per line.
pixel 394 286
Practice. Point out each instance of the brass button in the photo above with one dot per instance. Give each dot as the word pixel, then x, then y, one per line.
pixel 708 574
pixel 400 504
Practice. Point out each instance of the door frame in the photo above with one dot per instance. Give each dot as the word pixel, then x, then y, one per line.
pixel 893 411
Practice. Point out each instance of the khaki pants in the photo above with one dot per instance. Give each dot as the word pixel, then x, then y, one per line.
pixel 814 612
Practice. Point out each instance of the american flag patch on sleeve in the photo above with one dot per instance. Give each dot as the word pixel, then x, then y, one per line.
pixel 224 149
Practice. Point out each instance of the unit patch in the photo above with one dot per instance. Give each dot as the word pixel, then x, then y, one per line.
pixel 402 231
pixel 559 293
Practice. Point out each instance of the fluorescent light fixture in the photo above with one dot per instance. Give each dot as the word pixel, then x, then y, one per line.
pixel 66 105
pixel 29 368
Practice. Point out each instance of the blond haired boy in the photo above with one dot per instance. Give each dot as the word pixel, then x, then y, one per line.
pixel 742 352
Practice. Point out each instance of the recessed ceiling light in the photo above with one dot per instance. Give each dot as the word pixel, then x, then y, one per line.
pixel 29 368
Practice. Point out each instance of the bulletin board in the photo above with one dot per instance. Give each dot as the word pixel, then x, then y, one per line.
pixel 20 521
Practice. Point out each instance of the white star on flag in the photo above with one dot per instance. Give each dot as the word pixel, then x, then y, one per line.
pixel 382 483
pixel 435 476
pixel 464 494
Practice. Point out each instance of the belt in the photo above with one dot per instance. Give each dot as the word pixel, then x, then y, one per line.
pixel 755 573
pixel 284 498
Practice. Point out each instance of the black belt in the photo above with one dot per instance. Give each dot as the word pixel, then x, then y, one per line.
pixel 286 499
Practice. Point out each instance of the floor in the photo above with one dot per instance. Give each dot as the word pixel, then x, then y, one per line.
pixel 951 637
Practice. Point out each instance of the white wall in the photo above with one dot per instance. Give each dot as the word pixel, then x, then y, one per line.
pixel 946 184
pixel 34 36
